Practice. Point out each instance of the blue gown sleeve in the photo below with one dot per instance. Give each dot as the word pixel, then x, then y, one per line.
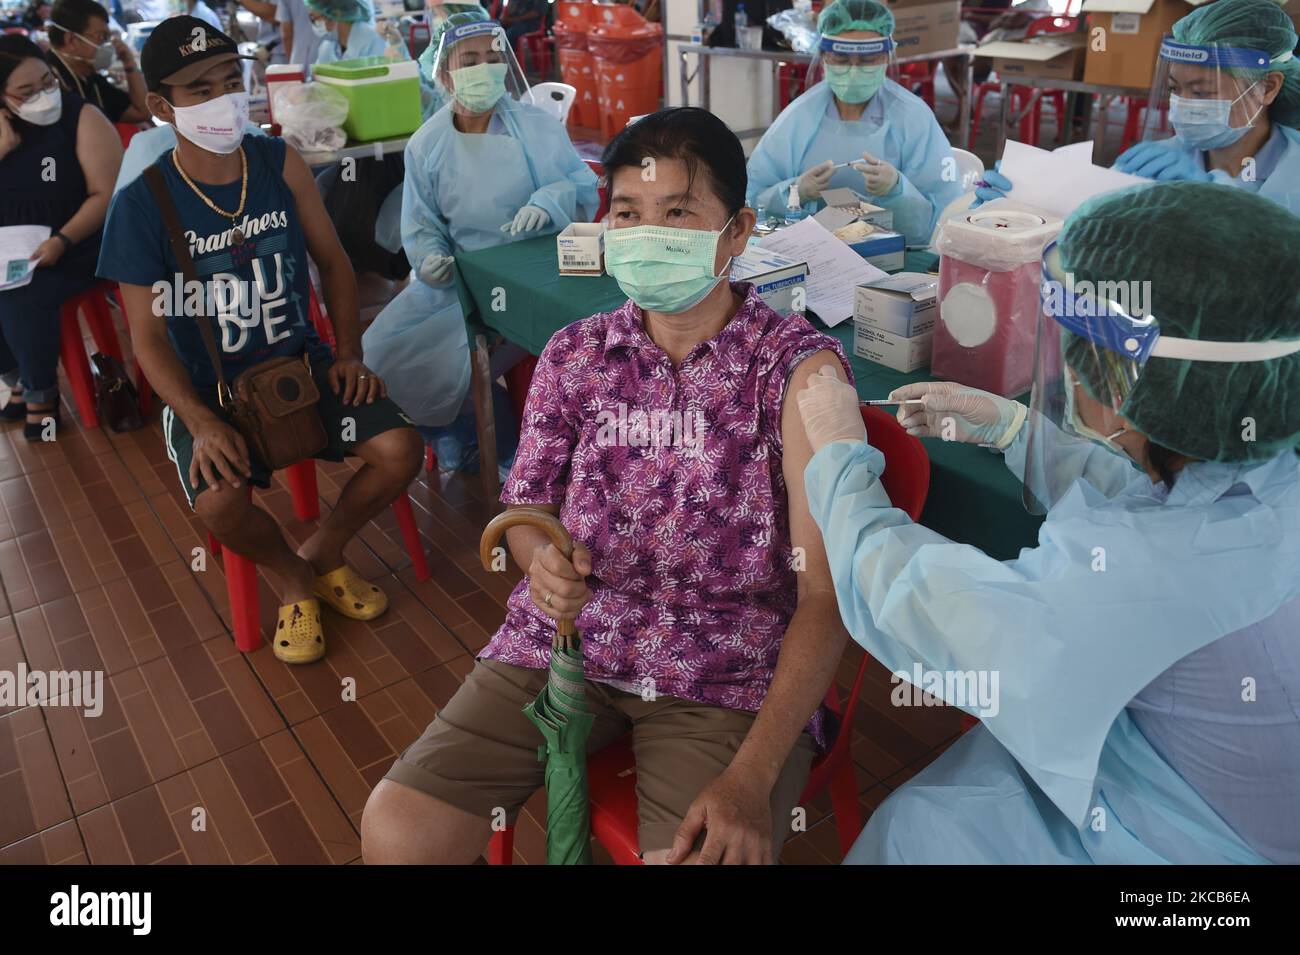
pixel 424 227
pixel 926 183
pixel 771 166
pixel 1072 458
pixel 572 197
pixel 1112 596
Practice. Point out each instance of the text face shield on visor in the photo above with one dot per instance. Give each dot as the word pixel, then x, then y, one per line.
pixel 475 67
pixel 1206 97
pixel 1094 339
pixel 854 69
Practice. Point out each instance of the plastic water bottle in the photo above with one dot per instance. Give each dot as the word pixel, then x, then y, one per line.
pixel 740 20
pixel 794 210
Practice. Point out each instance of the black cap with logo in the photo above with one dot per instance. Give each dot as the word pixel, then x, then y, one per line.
pixel 181 49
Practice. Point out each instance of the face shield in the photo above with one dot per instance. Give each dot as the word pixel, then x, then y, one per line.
pixel 475 67
pixel 854 68
pixel 1206 96
pixel 1094 339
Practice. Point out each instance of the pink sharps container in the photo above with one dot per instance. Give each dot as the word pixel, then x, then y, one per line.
pixel 989 277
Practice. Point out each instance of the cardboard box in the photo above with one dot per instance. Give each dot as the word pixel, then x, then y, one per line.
pixel 581 249
pixel 780 280
pixel 923 26
pixel 1133 30
pixel 892 351
pixel 856 205
pixel 884 250
pixel 903 304
pixel 1058 56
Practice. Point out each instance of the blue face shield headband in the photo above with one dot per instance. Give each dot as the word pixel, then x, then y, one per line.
pixel 864 48
pixel 1223 57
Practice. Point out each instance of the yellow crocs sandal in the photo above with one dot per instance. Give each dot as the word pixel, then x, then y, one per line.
pixel 298 634
pixel 350 594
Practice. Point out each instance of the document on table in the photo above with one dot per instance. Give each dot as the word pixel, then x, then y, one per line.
pixel 1060 181
pixel 834 270
pixel 17 243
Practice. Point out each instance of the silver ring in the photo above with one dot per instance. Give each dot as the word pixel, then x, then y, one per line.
pixel 547 599
pixel 362 377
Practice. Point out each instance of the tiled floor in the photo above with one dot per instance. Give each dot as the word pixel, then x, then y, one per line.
pixel 203 754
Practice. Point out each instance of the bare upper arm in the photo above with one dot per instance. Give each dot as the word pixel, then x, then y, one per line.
pixel 322 241
pixel 147 323
pixel 805 536
pixel 99 150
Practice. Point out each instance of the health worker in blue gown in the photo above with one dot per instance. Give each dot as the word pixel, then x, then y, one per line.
pixel 1146 649
pixel 1226 106
pixel 484 170
pixel 856 128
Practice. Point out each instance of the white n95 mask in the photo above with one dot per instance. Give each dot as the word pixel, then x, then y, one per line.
pixel 217 125
pixel 43 109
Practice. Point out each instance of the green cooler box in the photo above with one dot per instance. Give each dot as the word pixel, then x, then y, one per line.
pixel 383 95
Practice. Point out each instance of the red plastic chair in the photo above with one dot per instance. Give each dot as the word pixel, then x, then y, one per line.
pixel 602 188
pixel 538 46
pixel 93 305
pixel 611 772
pixel 918 78
pixel 241 573
pixel 126 132
pixel 791 78
pixel 1032 122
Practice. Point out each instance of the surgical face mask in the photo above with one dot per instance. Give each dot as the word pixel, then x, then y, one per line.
pixel 663 269
pixel 1206 123
pixel 217 125
pixel 319 28
pixel 1076 423
pixel 104 52
pixel 43 109
pixel 855 84
pixel 478 87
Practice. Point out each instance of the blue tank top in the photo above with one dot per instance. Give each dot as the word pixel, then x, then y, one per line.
pixel 268 269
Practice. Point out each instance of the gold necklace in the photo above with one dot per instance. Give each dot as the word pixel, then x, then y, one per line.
pixel 237 234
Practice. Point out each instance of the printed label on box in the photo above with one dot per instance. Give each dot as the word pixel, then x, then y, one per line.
pixel 1128 23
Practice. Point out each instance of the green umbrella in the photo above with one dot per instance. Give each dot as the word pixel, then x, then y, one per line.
pixel 560 710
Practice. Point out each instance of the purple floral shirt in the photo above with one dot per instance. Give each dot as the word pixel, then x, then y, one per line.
pixel 672 478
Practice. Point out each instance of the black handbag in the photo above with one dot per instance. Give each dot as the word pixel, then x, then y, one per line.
pixel 116 400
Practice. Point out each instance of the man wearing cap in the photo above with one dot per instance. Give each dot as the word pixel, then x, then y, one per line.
pixel 249 212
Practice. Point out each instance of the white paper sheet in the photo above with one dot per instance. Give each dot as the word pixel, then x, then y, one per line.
pixel 834 270
pixel 1059 182
pixel 17 243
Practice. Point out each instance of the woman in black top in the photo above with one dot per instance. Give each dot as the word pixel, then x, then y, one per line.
pixel 58 162
pixel 80 47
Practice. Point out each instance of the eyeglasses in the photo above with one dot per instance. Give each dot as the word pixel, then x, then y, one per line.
pixel 28 90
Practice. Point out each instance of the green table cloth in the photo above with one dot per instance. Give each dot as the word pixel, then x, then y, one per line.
pixel 515 290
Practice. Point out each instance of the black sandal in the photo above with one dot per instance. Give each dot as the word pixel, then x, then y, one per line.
pixel 36 431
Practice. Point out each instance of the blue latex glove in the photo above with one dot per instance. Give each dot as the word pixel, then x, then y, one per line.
pixel 994 186
pixel 1162 162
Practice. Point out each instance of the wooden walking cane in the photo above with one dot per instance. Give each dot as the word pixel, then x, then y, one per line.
pixel 565 629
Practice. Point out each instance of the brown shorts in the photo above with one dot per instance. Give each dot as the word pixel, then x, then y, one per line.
pixel 480 752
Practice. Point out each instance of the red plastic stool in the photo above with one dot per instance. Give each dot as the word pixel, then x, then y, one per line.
pixel 241 573
pixel 72 353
